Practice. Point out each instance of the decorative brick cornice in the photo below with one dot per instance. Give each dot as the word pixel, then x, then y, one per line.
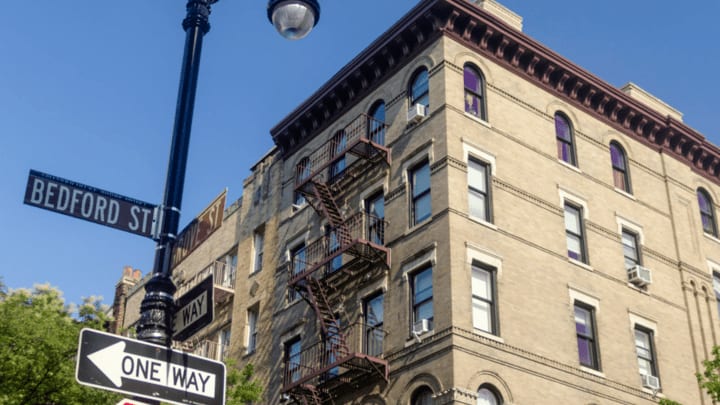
pixel 471 26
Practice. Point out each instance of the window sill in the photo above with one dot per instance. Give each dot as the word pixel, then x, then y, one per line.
pixel 581 264
pixel 296 209
pixel 483 222
pixel 414 340
pixel 418 225
pixel 569 166
pixel 488 335
pixel 249 354
pixel 592 371
pixel 711 237
pixel 625 193
pixel 254 273
pixel 638 289
pixel 478 120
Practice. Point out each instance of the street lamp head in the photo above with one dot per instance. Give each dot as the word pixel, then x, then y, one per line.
pixel 293 19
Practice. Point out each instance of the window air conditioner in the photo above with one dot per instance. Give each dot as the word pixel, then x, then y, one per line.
pixel 650 381
pixel 639 275
pixel 416 113
pixel 421 326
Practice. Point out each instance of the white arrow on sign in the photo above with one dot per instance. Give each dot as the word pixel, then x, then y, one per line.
pixel 116 364
pixel 130 402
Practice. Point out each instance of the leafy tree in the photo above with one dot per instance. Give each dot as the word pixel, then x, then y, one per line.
pixel 38 345
pixel 709 379
pixel 241 388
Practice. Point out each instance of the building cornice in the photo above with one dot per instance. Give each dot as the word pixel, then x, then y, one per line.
pixel 486 34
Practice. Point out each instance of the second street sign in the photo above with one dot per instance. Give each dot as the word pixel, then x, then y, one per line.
pixel 194 310
pixel 89 203
pixel 129 366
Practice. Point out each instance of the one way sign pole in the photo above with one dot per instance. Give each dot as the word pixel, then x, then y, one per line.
pixel 147 370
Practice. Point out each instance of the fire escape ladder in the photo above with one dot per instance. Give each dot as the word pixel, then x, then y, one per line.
pixel 327 204
pixel 318 298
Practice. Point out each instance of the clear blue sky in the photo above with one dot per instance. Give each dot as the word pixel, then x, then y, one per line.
pixel 88 91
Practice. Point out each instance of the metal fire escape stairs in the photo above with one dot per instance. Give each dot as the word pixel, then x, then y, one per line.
pixel 321 186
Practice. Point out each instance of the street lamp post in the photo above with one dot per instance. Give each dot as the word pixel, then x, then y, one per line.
pixel 293 19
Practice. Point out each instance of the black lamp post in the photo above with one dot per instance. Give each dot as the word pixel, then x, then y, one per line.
pixel 293 19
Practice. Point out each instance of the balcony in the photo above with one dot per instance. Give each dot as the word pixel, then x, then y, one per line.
pixel 223 281
pixel 210 349
pixel 351 248
pixel 351 358
pixel 364 138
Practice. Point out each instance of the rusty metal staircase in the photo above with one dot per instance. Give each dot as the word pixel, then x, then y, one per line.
pixel 337 360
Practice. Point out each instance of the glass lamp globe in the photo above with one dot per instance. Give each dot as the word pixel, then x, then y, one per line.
pixel 293 19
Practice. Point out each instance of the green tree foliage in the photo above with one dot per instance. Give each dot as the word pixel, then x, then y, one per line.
pixel 38 345
pixel 709 379
pixel 241 388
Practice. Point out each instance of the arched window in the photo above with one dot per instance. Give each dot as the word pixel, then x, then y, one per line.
pixel 419 92
pixel 337 153
pixel 564 136
pixel 707 212
pixel 422 396
pixel 621 175
pixel 302 172
pixel 474 92
pixel 488 395
pixel 376 127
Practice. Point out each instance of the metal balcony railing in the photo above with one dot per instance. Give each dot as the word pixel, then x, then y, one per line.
pixel 363 137
pixel 359 237
pixel 210 349
pixel 223 280
pixel 354 354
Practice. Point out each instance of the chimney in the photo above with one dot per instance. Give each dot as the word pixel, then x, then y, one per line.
pixel 501 12
pixel 129 278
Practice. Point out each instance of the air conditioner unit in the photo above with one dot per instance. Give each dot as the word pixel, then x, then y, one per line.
pixel 650 381
pixel 421 326
pixel 416 113
pixel 639 275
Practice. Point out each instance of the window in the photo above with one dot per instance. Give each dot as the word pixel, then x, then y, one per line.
pixel 252 317
pixel 474 92
pixel 258 239
pixel 707 212
pixel 644 347
pixel 298 261
pixel 621 175
pixel 375 208
pixel 479 189
pixel 564 136
pixel 420 191
pixel 224 344
pixel 230 268
pixel 333 249
pixel 376 127
pixel 302 173
pixel 292 360
pixel 586 335
pixel 419 92
pixel 422 294
pixel 488 395
pixel 575 233
pixel 422 396
pixel 337 154
pixel 630 249
pixel 484 309
pixel 374 334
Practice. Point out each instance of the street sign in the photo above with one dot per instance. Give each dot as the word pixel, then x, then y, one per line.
pixel 131 402
pixel 129 366
pixel 89 203
pixel 194 310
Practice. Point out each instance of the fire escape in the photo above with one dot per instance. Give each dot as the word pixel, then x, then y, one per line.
pixel 347 355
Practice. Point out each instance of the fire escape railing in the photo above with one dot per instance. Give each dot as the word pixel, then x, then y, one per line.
pixel 360 237
pixel 223 280
pixel 332 361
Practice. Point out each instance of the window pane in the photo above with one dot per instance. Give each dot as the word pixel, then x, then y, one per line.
pixel 423 285
pixel 424 311
pixel 585 351
pixel 419 90
pixel 422 208
pixel 481 283
pixel 617 157
pixel 477 205
pixel 374 308
pixel 482 315
pixel 574 247
pixel 486 397
pixel 471 80
pixel 572 220
pixel 477 175
pixel 562 128
pixel 421 179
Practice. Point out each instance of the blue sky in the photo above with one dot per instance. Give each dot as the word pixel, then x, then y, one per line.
pixel 88 92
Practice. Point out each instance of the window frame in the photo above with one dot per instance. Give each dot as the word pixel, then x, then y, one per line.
pixel 562 141
pixel 582 236
pixel 652 360
pixel 416 305
pixel 252 320
pixel 303 170
pixel 371 331
pixel 492 301
pixel 636 248
pixel 376 222
pixel 418 98
pixel 708 213
pixel 258 234
pixel 716 288
pixel 338 147
pixel 497 397
pixel 294 252
pixel 421 194
pixel 620 172
pixel 591 339
pixel 478 94
pixel 376 132
pixel 292 374
pixel 423 390
pixel 486 195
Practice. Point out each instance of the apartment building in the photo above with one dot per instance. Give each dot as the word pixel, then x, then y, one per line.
pixel 462 216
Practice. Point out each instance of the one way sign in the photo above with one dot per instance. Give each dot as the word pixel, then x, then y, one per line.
pixel 143 369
